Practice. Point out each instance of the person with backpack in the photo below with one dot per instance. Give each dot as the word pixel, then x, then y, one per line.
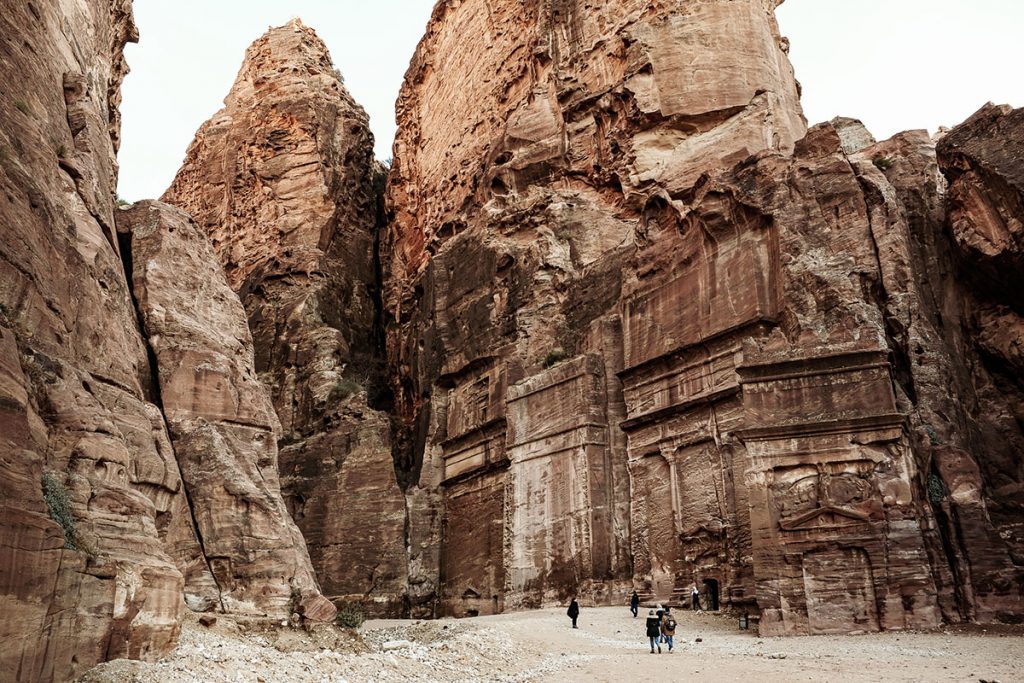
pixel 573 611
pixel 654 631
pixel 634 604
pixel 668 627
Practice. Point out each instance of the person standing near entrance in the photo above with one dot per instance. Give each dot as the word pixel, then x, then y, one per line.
pixel 573 611
pixel 634 604
pixel 695 598
pixel 654 631
pixel 668 627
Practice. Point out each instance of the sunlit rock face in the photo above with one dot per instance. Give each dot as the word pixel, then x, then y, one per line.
pixel 284 183
pixel 78 409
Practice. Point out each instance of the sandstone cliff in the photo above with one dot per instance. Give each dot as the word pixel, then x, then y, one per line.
pixel 98 546
pixel 655 336
pixel 222 425
pixel 530 137
pixel 284 182
pixel 643 331
pixel 77 413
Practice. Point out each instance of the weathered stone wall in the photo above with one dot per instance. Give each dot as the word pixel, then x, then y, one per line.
pixel 222 425
pixel 284 183
pixel 76 392
pixel 530 136
pixel 660 335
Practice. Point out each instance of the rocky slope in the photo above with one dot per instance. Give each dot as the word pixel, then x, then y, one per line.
pixel 284 182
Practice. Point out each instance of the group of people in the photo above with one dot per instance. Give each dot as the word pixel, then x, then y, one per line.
pixel 661 627
pixel 661 624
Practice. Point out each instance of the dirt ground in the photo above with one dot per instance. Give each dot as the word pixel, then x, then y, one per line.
pixel 540 646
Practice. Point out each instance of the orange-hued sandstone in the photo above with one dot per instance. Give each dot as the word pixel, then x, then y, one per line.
pixel 615 320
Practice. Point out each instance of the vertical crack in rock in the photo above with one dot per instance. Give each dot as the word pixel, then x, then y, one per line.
pixel 219 417
pixel 201 588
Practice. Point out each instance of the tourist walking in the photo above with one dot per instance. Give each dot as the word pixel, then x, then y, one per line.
pixel 634 604
pixel 573 611
pixel 668 627
pixel 695 598
pixel 654 631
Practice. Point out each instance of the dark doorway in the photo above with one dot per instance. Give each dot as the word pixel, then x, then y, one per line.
pixel 711 594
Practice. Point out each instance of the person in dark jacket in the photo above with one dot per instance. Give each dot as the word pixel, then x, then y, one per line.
pixel 573 611
pixel 654 630
pixel 634 604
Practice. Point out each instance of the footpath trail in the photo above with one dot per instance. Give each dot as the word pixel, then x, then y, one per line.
pixel 541 646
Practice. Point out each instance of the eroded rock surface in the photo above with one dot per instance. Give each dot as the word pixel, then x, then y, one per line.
pixel 655 336
pixel 523 163
pixel 284 182
pixel 220 418
pixel 77 411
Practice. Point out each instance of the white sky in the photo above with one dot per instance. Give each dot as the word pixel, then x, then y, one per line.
pixel 895 64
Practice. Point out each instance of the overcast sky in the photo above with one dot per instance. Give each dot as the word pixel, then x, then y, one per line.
pixel 895 64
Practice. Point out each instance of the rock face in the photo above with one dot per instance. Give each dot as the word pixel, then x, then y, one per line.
pixel 77 404
pixel 284 182
pixel 643 331
pixel 647 334
pixel 519 179
pixel 978 456
pixel 222 425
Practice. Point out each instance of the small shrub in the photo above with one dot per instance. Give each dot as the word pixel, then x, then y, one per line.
pixel 554 357
pixel 121 202
pixel 59 505
pixel 350 617
pixel 23 107
pixel 883 163
pixel 62 151
pixel 936 489
pixel 933 436
pixel 289 439
pixel 343 389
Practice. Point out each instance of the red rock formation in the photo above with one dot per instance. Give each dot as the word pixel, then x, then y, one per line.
pixel 284 182
pixel 76 397
pixel 978 446
pixel 646 357
pixel 221 422
pixel 529 137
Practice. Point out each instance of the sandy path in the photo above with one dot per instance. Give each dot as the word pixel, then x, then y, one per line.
pixel 540 646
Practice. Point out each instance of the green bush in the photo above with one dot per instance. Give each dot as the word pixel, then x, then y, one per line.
pixel 350 617
pixel 62 151
pixel 343 389
pixel 23 107
pixel 59 505
pixel 883 163
pixel 554 356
